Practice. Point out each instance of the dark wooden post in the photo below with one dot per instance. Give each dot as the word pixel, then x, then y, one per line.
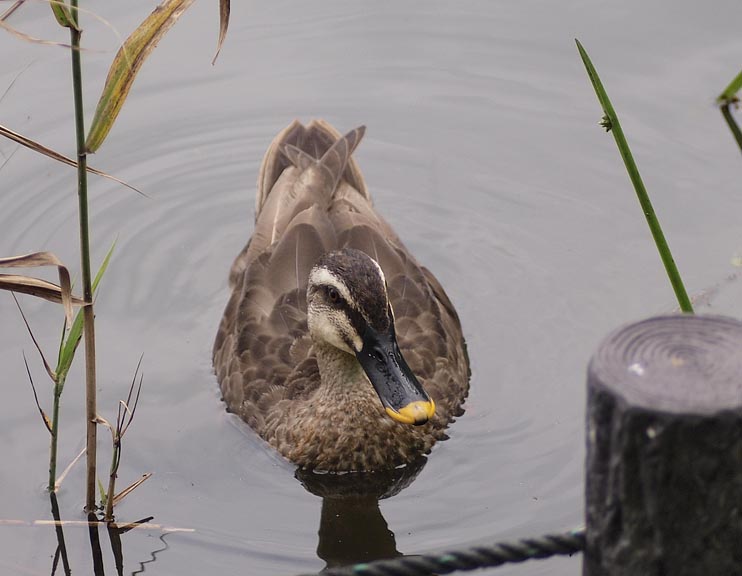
pixel 664 450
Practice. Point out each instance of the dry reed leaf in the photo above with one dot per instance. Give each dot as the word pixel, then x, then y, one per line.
pixel 88 524
pixel 126 408
pixel 104 422
pixel 140 524
pixel 128 490
pixel 63 475
pixel 41 149
pixel 26 37
pixel 35 287
pixel 223 25
pixel 17 4
pixel 38 287
pixel 126 65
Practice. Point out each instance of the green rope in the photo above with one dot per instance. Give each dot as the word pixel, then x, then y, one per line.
pixel 467 559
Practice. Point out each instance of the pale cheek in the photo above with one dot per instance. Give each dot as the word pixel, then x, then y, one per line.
pixel 322 327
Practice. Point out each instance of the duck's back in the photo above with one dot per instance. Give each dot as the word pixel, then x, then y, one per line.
pixel 263 352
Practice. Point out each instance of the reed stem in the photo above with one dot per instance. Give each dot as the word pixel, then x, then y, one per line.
pixel 88 315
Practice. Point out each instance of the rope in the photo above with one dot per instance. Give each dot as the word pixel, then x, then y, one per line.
pixel 469 558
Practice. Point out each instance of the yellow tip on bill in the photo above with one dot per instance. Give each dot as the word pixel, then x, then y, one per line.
pixel 417 413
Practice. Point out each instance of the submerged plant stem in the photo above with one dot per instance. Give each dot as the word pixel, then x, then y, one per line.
pixel 89 318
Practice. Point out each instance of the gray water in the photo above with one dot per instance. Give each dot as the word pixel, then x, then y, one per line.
pixel 482 150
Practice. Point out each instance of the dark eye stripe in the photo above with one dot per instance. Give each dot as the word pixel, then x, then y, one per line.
pixel 334 295
pixel 356 318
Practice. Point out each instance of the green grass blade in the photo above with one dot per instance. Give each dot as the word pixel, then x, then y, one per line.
pixel 611 123
pixel 102 490
pixel 729 93
pixel 732 123
pixel 62 13
pixel 726 100
pixel 103 266
pixel 69 346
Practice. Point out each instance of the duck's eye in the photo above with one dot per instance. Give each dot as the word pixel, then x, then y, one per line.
pixel 333 295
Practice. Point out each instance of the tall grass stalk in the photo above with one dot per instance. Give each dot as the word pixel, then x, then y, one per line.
pixel 88 314
pixel 610 122
pixel 120 78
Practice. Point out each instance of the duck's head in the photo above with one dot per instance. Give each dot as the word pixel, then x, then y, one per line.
pixel 348 308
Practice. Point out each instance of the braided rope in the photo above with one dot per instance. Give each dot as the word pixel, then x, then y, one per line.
pixel 472 558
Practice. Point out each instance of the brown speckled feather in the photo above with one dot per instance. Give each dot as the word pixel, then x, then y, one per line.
pixel 264 356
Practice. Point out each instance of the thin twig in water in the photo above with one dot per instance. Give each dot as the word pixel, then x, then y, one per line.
pixel 131 525
pixel 124 418
pixel 129 489
pixel 12 82
pixel 9 157
pixel 7 14
pixel 49 371
pixel 44 417
pixel 125 427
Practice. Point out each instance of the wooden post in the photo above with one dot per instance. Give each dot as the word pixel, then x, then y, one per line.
pixel 664 450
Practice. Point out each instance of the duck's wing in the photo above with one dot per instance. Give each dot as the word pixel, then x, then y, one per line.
pixel 428 328
pixel 302 167
pixel 262 352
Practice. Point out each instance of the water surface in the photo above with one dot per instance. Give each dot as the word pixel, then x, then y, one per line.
pixel 484 153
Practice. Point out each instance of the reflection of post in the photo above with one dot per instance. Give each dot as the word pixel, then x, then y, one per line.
pixel 61 546
pixel 114 535
pixel 95 548
pixel 353 530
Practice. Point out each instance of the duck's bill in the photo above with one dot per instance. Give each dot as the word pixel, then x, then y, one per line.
pixel 402 396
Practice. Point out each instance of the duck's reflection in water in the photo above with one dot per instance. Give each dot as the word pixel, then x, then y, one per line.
pixel 352 528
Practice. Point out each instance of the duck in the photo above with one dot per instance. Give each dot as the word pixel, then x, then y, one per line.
pixel 336 346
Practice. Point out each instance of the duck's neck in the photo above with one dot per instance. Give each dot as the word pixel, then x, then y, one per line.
pixel 341 375
pixel 343 426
